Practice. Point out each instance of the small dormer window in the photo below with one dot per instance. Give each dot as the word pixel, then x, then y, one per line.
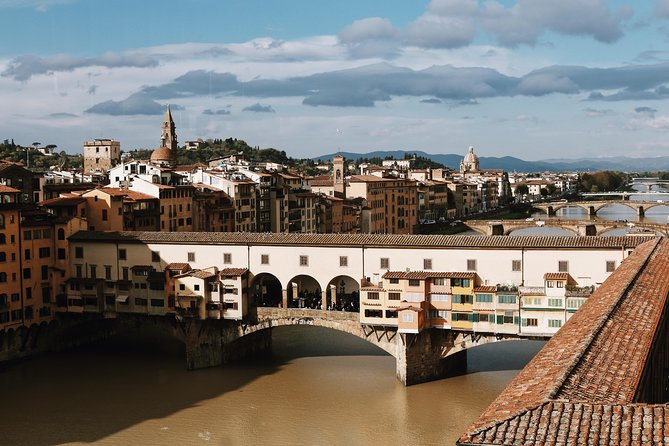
pixel 550 284
pixel 560 284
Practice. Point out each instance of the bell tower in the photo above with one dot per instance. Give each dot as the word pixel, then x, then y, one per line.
pixel 169 136
pixel 338 175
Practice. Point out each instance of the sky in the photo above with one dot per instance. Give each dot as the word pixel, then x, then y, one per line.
pixel 534 79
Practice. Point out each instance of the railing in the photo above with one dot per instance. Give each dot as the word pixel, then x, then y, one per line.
pixel 277 313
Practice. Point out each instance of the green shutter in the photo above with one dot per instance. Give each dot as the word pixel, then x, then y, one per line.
pixel 524 322
pixel 500 319
pixel 515 320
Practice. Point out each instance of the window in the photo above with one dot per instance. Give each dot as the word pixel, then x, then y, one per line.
pixel 574 304
pixel 550 284
pixel 515 265
pixel 304 260
pixel 506 299
pixel 393 296
pixel 563 266
pixel 373 313
pixel 29 293
pixel 439 297
pixel 385 262
pixel 126 272
pixel 196 287
pixel 191 256
pixel 414 282
pixel 471 264
pixel 3 256
pixel 439 281
pixel 227 258
pixel 559 284
pixel 264 259
pixel 391 314
pixel 484 298
pixel 27 254
pixel 530 322
pixel 463 299
pixel 122 254
pixel 555 302
pixel 485 317
pixel 26 273
pixel 155 256
pixel 427 264
pixel 157 302
pixel 610 266
pixel 373 296
pixel 78 270
pixel 27 235
pixel 140 301
pixel 61 234
pixel 554 323
pixel 108 272
pixel 44 253
pixel 45 272
pixel 104 214
pixel 394 280
pixel 182 287
pixel 407 317
pixel 343 261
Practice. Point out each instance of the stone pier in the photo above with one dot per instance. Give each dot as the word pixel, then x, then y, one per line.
pixel 419 357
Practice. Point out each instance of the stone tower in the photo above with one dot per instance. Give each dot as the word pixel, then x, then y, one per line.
pixel 338 175
pixel 166 154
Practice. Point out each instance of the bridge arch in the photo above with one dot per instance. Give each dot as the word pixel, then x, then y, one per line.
pixel 343 292
pixel 304 291
pixel 266 290
pixel 336 320
pixel 561 227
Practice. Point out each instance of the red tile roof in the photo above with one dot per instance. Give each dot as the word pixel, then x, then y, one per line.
pixel 8 190
pixel 584 385
pixel 422 275
pixel 485 289
pixel 556 276
pixel 233 271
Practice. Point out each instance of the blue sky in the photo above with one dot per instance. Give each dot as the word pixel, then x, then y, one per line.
pixel 535 79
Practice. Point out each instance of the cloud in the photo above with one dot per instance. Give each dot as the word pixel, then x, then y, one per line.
pixel 216 112
pixel 370 37
pixel 454 23
pixel 662 8
pixel 367 85
pixel 597 113
pixel 431 101
pixel 258 108
pixel 136 104
pixel 62 115
pixel 23 68
pixel 646 111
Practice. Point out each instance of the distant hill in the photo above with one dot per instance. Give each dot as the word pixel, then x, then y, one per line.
pixel 510 163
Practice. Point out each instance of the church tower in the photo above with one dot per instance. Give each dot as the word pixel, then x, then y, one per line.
pixel 338 175
pixel 166 154
pixel 470 163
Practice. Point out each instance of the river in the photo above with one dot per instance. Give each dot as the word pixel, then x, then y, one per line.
pixel 319 386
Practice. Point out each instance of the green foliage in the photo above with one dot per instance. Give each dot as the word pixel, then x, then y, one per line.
pixel 603 181
pixel 19 154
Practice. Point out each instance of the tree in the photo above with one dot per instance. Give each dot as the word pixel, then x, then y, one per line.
pixel 522 189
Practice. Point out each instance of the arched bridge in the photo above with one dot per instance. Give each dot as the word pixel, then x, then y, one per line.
pixel 419 357
pixel 592 207
pixel 582 228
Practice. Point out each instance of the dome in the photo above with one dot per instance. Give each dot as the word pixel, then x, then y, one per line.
pixel 162 155
pixel 471 157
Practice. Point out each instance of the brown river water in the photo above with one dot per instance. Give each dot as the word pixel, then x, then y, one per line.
pixel 317 387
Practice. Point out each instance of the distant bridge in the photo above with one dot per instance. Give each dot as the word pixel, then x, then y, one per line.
pixel 592 207
pixel 582 228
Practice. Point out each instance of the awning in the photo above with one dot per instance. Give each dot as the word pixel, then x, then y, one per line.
pixel 122 298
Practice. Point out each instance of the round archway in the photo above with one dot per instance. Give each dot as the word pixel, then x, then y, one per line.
pixel 343 293
pixel 304 292
pixel 266 290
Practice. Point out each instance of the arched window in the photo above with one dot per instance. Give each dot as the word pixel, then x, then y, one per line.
pixel 3 277
pixel 3 239
pixel 3 256
pixel 2 221
pixel 61 234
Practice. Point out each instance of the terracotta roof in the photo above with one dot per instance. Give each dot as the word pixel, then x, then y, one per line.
pixel 485 289
pixel 427 274
pixel 62 201
pixel 233 271
pixel 179 266
pixel 367 240
pixel 201 274
pixel 584 384
pixel 556 276
pixel 8 190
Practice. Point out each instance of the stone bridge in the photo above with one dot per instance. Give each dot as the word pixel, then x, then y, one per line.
pixel 592 207
pixel 426 356
pixel 582 228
